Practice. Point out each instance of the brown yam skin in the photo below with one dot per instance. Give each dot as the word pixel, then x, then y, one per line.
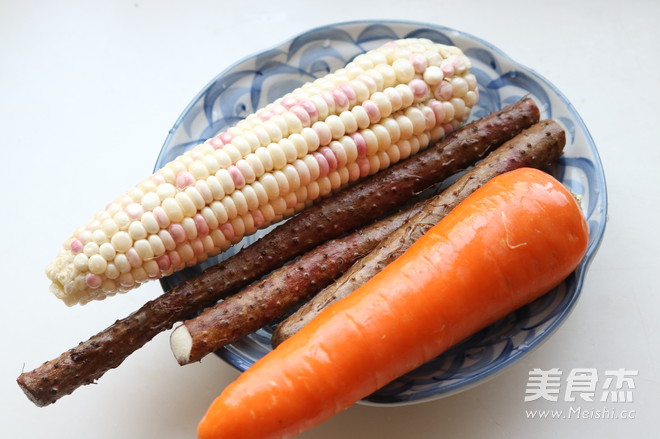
pixel 538 147
pixel 334 216
pixel 271 298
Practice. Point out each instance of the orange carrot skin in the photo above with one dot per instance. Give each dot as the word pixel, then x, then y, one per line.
pixel 507 244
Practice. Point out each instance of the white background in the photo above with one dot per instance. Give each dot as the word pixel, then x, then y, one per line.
pixel 88 92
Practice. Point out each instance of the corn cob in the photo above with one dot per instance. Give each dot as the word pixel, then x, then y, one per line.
pixel 382 107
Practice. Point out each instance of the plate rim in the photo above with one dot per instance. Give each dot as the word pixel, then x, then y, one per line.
pixel 602 199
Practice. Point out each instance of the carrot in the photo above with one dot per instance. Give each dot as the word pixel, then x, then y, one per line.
pixel 507 244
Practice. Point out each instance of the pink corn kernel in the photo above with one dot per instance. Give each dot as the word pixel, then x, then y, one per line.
pixel 164 262
pixel 323 131
pixel 258 218
pixel 177 232
pixel 439 110
pixel 364 165
pixel 310 109
pixel 324 167
pixel 228 230
pixel 197 246
pixel 161 217
pixel 265 115
pixel 134 210
pixel 429 116
pixel 301 114
pixel 340 153
pixel 201 225
pixel 444 91
pixel 175 258
pixel 447 67
pixel 237 176
pixel 330 156
pixel 303 172
pixel 93 280
pixel 289 102
pixel 419 88
pixel 133 258
pixel 76 246
pixel 225 137
pixel 349 92
pixel 361 144
pixel 448 128
pixel 184 179
pixel 372 110
pixel 216 142
pixel 340 98
pixel 419 62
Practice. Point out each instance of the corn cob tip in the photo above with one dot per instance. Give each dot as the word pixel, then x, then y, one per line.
pixel 382 107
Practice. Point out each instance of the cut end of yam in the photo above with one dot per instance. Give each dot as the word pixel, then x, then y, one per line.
pixel 181 343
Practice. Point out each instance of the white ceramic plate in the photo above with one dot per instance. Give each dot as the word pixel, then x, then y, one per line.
pixel 265 76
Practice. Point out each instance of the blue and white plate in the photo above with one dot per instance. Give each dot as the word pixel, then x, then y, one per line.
pixel 265 76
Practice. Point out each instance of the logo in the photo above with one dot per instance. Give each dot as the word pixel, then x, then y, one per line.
pixel 598 394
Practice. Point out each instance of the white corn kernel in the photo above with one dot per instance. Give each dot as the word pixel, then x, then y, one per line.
pixel 240 202
pixel 143 249
pixel 337 128
pixel 121 220
pixel 90 249
pixel 289 150
pixel 220 211
pixel 260 192
pixel 149 222
pixel 121 241
pixel 137 231
pixel 97 264
pixel 122 264
pixel 277 155
pixel 173 210
pixel 250 197
pixel 152 269
pixel 80 261
pixel 167 240
pixel 107 251
pixel 157 245
pixel 189 228
pixel 99 236
pixel 230 207
pixel 187 205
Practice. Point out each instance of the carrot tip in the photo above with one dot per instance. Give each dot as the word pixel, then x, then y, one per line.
pixel 181 343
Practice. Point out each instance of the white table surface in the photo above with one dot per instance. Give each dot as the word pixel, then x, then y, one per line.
pixel 88 92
